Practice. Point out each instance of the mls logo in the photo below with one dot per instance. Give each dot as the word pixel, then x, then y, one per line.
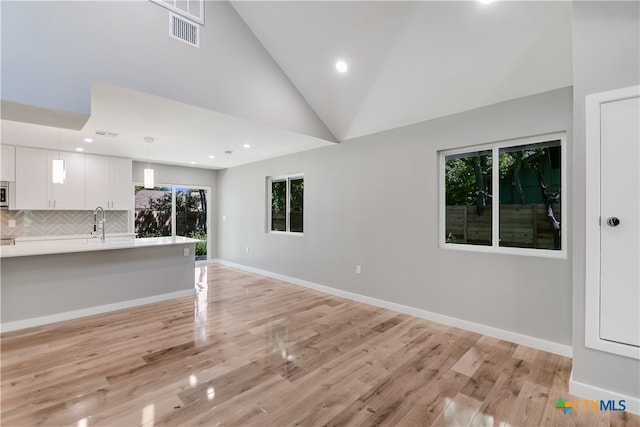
pixel 563 406
pixel 582 405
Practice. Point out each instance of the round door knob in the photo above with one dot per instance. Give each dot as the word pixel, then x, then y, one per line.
pixel 613 221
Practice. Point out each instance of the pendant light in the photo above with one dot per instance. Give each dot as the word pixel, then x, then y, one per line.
pixel 148 178
pixel 58 168
pixel 148 171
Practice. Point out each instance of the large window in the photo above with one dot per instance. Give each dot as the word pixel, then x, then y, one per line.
pixel 504 197
pixel 286 203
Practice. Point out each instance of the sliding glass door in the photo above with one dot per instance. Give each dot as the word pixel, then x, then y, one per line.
pixel 173 211
pixel 191 217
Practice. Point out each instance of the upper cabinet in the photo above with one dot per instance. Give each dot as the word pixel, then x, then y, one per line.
pixel 34 187
pixel 108 182
pixel 121 184
pixel 8 166
pixel 32 171
pixel 70 195
pixel 91 181
pixel 97 181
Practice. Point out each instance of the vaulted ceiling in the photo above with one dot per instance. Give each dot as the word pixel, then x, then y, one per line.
pixel 265 71
pixel 412 61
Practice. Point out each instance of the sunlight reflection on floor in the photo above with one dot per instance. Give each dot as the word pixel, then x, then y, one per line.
pixel 200 309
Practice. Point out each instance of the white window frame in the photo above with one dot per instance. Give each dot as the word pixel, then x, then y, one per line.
pixel 288 178
pixel 495 201
pixel 171 5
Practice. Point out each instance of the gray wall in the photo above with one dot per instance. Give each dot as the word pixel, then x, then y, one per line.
pixel 46 285
pixel 374 201
pixel 606 56
pixel 52 50
pixel 170 174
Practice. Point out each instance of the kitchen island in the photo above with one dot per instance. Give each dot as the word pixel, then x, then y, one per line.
pixel 46 282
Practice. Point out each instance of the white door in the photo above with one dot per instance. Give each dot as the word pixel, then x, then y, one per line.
pixel 620 221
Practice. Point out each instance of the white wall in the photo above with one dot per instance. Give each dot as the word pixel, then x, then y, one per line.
pixel 374 201
pixel 53 50
pixel 606 56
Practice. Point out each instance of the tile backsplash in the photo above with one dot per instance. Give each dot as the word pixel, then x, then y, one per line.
pixel 45 223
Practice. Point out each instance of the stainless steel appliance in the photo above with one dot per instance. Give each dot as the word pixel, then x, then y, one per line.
pixel 4 194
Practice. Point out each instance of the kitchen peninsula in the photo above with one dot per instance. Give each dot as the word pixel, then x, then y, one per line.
pixel 51 281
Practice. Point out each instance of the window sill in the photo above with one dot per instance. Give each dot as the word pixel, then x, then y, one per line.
pixel 285 233
pixel 540 253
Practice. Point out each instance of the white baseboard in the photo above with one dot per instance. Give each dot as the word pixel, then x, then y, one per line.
pixel 68 315
pixel 549 346
pixel 595 393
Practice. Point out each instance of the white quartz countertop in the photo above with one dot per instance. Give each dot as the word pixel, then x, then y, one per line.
pixel 87 244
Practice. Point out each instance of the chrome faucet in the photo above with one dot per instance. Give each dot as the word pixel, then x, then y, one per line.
pixel 99 224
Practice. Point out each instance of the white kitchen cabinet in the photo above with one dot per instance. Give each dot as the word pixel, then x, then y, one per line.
pixel 108 182
pixel 121 184
pixel 8 166
pixel 34 187
pixel 97 177
pixel 70 195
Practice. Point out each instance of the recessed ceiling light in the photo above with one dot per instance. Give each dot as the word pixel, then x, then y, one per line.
pixel 79 149
pixel 246 145
pixel 212 156
pixel 486 1
pixel 193 163
pixel 342 66
pixel 88 140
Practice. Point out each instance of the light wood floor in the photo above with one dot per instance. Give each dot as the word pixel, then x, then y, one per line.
pixel 256 351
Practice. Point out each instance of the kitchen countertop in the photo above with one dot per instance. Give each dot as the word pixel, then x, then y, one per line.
pixel 87 244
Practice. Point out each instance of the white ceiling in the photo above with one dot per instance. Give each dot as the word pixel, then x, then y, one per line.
pixel 408 62
pixel 182 134
pixel 413 61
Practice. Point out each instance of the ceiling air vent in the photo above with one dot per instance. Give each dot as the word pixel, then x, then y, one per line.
pixel 184 30
pixel 106 133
